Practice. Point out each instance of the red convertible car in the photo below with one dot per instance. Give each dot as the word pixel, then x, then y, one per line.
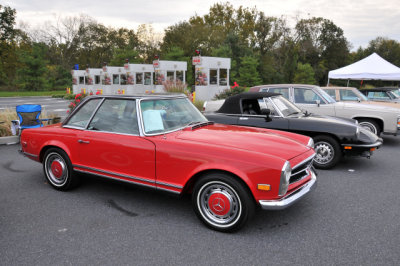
pixel 164 142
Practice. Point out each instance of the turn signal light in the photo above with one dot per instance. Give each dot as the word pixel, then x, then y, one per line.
pixel 372 149
pixel 264 187
pixel 347 147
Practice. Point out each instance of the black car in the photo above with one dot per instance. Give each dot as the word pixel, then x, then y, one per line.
pixel 386 94
pixel 333 137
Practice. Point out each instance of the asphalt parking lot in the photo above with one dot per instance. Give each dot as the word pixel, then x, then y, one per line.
pixel 352 218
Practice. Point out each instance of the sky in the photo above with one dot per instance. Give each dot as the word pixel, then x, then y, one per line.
pixel 361 21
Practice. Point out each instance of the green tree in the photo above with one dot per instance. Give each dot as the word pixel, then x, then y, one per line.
pixel 304 74
pixel 32 76
pixel 120 56
pixel 249 75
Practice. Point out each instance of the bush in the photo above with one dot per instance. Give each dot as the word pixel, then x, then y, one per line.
pixel 76 101
pixel 177 87
pixel 229 92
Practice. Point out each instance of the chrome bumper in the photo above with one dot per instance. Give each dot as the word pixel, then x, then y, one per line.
pixel 290 199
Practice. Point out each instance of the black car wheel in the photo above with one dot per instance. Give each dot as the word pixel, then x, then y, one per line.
pixel 328 152
pixel 58 170
pixel 370 125
pixel 222 203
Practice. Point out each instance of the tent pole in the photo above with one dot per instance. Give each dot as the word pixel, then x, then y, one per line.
pixel 348 82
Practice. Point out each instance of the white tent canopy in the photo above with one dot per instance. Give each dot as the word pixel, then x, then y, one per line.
pixel 372 67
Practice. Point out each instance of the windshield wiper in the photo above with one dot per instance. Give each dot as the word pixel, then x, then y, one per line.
pixel 198 124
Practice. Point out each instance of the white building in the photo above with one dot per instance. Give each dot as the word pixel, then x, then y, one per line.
pixel 211 76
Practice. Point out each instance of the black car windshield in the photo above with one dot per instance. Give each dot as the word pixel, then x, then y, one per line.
pixel 285 107
pixel 165 115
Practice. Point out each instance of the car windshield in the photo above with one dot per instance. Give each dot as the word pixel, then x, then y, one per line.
pixel 325 95
pixel 165 115
pixel 393 94
pixel 285 107
pixel 397 92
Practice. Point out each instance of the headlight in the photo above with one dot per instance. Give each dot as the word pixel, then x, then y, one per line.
pixel 310 143
pixel 285 177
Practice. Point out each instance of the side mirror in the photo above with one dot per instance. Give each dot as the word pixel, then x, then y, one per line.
pixel 358 100
pixel 266 112
pixel 318 102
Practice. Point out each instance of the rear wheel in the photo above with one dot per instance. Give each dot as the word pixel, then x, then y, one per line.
pixel 328 152
pixel 58 170
pixel 370 125
pixel 222 202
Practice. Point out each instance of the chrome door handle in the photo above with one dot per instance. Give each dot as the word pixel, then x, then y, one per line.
pixel 243 118
pixel 83 141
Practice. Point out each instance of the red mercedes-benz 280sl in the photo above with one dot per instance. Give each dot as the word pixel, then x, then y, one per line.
pixel 164 142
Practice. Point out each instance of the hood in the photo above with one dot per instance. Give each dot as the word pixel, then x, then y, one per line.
pixel 366 107
pixel 264 141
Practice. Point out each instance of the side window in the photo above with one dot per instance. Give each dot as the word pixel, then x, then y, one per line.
pixel 266 104
pixel 116 115
pixel 379 95
pixel 283 91
pixel 308 96
pixel 115 79
pixel 332 93
pixel 348 95
pixel 82 116
pixel 123 79
pixel 251 107
pixel 139 78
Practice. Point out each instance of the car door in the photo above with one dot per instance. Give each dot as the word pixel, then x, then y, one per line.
pixel 112 146
pixel 276 121
pixel 306 98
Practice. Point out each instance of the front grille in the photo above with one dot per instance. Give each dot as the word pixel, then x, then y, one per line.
pixel 301 170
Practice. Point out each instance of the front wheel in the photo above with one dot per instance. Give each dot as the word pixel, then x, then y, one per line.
pixel 328 152
pixel 58 170
pixel 370 125
pixel 222 203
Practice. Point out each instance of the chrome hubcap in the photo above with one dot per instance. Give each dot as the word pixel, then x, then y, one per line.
pixel 219 203
pixel 324 152
pixel 56 169
pixel 368 126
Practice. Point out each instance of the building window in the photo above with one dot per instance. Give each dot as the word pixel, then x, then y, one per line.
pixel 96 79
pixel 213 76
pixel 170 75
pixel 223 77
pixel 86 80
pixel 147 78
pixel 179 75
pixel 139 78
pixel 123 79
pixel 81 80
pixel 115 79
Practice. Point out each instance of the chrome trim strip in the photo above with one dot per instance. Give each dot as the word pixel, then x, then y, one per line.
pixel 111 173
pixel 115 178
pixel 168 190
pixel 291 198
pixel 376 144
pixel 30 154
pixel 168 185
pixel 305 160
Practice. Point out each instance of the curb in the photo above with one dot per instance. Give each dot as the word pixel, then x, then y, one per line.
pixel 9 140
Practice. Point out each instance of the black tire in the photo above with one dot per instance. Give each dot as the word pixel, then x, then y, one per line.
pixel 222 203
pixel 370 125
pixel 58 170
pixel 328 152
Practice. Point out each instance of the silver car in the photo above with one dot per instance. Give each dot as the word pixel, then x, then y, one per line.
pixel 377 119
